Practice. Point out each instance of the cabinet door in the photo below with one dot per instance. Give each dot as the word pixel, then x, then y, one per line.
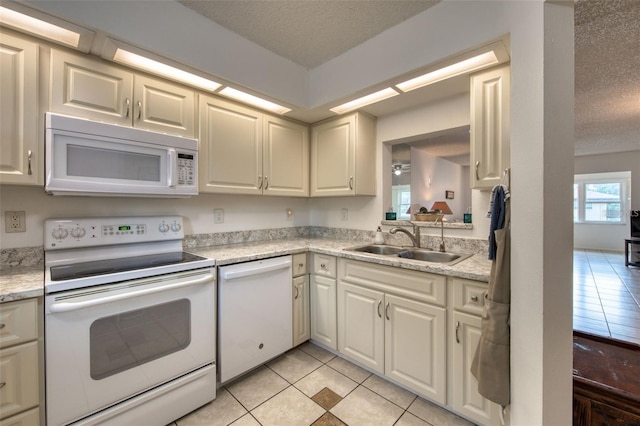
pixel 301 329
pixel 333 157
pixel 230 148
pixel 21 160
pixel 323 311
pixel 415 346
pixel 85 87
pixel 466 399
pixel 285 158
pixel 490 116
pixel 19 375
pixel 361 325
pixel 161 106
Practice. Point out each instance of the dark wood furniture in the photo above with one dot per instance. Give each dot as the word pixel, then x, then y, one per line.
pixel 629 243
pixel 606 381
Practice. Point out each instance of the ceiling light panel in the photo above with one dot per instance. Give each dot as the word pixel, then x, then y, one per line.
pixel 253 100
pixel 378 96
pixel 465 66
pixel 40 25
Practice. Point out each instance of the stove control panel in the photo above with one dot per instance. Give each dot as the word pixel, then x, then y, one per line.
pixel 102 231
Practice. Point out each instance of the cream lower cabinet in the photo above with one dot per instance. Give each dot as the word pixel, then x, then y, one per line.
pixel 243 151
pixel 322 289
pixel 301 318
pixel 19 354
pixel 87 87
pixel 343 156
pixel 21 157
pixel 467 302
pixel 393 321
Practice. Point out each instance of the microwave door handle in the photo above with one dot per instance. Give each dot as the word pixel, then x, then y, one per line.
pixel 172 179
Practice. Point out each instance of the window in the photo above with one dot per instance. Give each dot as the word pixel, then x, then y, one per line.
pixel 401 200
pixel 601 197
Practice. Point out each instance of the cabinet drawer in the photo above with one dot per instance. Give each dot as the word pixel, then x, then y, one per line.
pixel 28 418
pixel 299 262
pixel 416 285
pixel 468 296
pixel 18 378
pixel 18 322
pixel 324 265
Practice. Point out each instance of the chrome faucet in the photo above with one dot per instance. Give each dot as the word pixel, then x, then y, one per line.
pixel 440 218
pixel 415 237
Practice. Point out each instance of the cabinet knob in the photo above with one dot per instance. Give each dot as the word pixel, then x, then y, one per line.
pixel 2 384
pixel 2 326
pixel 474 299
pixel 323 266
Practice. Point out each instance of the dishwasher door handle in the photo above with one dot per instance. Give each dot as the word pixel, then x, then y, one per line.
pixel 249 271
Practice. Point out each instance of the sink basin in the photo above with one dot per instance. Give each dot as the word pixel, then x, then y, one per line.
pixel 379 249
pixel 423 255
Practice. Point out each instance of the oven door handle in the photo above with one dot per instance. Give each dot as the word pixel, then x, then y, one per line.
pixel 99 300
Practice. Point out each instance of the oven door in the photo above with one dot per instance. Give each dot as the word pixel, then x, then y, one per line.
pixel 108 343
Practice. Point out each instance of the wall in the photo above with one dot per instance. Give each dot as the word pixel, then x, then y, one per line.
pixel 240 212
pixel 431 177
pixel 608 237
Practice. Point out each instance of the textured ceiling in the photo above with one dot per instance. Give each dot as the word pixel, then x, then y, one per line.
pixel 308 33
pixel 607 53
pixel 607 76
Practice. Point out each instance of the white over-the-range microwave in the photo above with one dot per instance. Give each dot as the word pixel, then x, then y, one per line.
pixel 84 157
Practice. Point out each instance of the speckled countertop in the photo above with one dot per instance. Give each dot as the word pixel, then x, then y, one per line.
pixel 28 281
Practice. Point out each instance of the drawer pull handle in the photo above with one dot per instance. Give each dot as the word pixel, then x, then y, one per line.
pixel 300 265
pixel 477 166
pixel 139 110
pixel 379 305
pixel 29 171
pixel 351 182
pixel 386 311
pixel 128 102
pixel 2 326
pixel 297 293
pixel 3 384
pixel 457 328
pixel 323 266
pixel 474 298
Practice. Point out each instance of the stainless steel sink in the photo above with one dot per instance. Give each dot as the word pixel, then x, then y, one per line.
pixel 423 255
pixel 379 249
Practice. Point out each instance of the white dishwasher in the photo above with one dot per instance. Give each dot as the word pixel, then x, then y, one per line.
pixel 255 318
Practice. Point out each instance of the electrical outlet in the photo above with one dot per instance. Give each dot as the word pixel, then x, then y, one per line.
pixel 345 214
pixel 218 215
pixel 14 222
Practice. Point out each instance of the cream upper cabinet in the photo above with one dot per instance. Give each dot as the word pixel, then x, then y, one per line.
pixel 243 151
pixel 88 87
pixel 393 321
pixel 467 303
pixel 285 158
pixel 490 118
pixel 343 156
pixel 21 156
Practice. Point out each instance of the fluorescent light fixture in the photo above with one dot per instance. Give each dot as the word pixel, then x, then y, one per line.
pixel 156 67
pixel 253 100
pixel 365 100
pixel 38 27
pixel 465 66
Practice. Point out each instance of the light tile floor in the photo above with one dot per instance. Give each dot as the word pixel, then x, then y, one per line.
pixel 310 386
pixel 606 295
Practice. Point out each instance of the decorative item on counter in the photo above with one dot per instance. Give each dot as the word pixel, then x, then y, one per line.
pixel 424 215
pixel 466 217
pixel 390 214
pixel 378 239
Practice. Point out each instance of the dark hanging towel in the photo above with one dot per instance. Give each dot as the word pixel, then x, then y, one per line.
pixel 491 363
